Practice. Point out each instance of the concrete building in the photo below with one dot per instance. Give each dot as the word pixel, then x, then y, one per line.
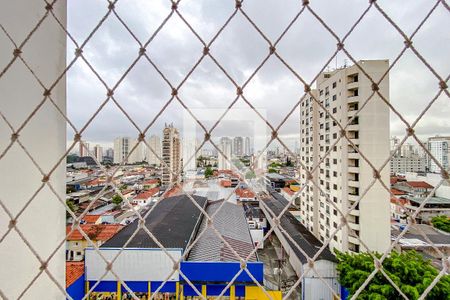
pixel 98 153
pixel 247 146
pixel 110 153
pixel 122 146
pixel 84 148
pixel 238 146
pixel 411 163
pixel 190 156
pixel 439 147
pixel 225 147
pixel 344 175
pixel 171 155
pixel 155 143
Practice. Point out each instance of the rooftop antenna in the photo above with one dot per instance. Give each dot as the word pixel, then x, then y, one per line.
pixel 345 63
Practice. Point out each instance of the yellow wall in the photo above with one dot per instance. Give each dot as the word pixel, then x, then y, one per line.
pixel 256 293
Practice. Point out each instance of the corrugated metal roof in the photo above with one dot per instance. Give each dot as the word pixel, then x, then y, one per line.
pixel 230 221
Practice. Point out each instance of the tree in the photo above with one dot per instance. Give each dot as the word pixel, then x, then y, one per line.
pixel 71 206
pixel 117 200
pixel 409 270
pixel 208 172
pixel 441 222
pixel 272 170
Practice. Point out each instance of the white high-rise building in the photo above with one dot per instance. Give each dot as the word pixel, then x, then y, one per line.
pixel 155 143
pixel 110 152
pixel 439 147
pixel 344 175
pixel 171 154
pixel 225 147
pixel 247 146
pixel 98 153
pixel 238 146
pixel 139 153
pixel 189 155
pixel 84 149
pixel 122 146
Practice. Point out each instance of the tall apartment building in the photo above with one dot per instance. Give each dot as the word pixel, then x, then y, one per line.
pixel 225 146
pixel 439 147
pixel 84 149
pixel 247 146
pixel 190 147
pixel 122 146
pixel 238 146
pixel 98 153
pixel 155 143
pixel 171 155
pixel 344 175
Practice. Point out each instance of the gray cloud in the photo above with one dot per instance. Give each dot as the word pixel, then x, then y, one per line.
pixel 240 49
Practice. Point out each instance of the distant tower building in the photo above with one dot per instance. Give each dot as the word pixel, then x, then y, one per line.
pixel 439 147
pixel 110 153
pixel 84 149
pixel 171 155
pixel 155 143
pixel 98 153
pixel 238 146
pixel 122 146
pixel 247 147
pixel 344 175
pixel 189 155
pixel 226 148
pixel 139 151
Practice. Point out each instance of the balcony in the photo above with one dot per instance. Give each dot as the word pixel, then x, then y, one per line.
pixel 353 183
pixel 353 240
pixel 354 212
pixel 353 226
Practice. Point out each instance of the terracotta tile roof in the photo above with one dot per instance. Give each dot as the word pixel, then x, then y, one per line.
pixel 151 181
pixel 96 232
pixel 397 192
pixel 74 270
pixel 95 182
pixel 147 194
pixel 419 184
pixel 245 193
pixel 225 183
pixel 395 179
pixel 91 219
pixel 288 191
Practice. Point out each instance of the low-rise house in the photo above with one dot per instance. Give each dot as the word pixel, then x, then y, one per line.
pixel 150 183
pixel 98 219
pixel 145 197
pixel 434 206
pixel 76 242
pixel 245 195
pixel 414 188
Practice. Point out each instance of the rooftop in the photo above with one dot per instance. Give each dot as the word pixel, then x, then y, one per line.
pixel 299 233
pixel 96 232
pixel 173 222
pixel 74 270
pixel 231 223
pixel 431 200
pixel 147 194
pixel 419 184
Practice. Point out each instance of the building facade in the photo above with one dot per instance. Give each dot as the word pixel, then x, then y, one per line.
pixel 238 146
pixel 98 153
pixel 171 155
pixel 224 155
pixel 122 146
pixel 155 143
pixel 439 147
pixel 343 175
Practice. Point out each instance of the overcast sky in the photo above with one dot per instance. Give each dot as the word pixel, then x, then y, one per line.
pixel 240 49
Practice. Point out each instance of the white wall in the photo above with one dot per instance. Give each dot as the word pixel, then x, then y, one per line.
pixel 132 264
pixel 43 222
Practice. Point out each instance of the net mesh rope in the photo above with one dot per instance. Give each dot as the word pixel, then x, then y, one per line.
pixel 304 6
